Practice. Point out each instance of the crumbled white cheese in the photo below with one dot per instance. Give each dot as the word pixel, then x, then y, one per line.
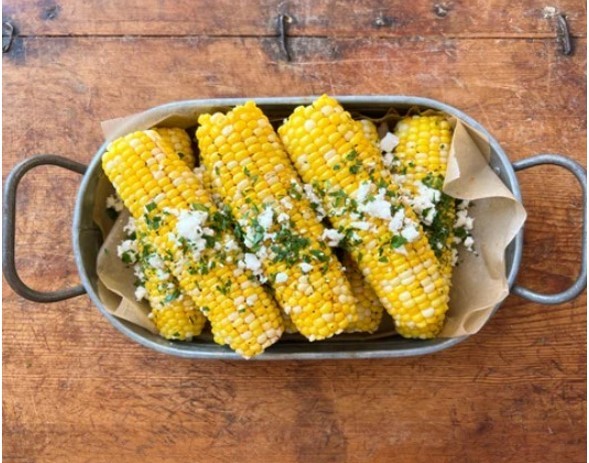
pixel 114 202
pixel 140 293
pixel 379 207
pixel 410 233
pixel 424 202
pixel 155 261
pixel 360 225
pixel 162 275
pixel 363 191
pixel 266 217
pixel 281 277
pixel 397 220
pixel 305 268
pixel 252 262
pixel 282 217
pixel 388 160
pixel 128 248
pixel 130 228
pixel 463 220
pixel 314 200
pixel 231 245
pixel 469 243
pixel 389 142
pixel 332 237
pixel 189 225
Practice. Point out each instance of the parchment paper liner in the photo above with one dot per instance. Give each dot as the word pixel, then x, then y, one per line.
pixel 479 282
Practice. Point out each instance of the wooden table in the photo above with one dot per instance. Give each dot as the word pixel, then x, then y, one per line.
pixel 76 390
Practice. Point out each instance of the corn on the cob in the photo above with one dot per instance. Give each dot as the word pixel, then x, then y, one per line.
pixel 368 305
pixel 194 240
pixel 180 142
pixel 421 163
pixel 174 314
pixel 331 152
pixel 252 173
pixel 203 175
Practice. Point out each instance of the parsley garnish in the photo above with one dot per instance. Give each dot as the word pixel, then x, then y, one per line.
pixel 172 296
pixel 397 241
pixel 224 288
pixel 351 155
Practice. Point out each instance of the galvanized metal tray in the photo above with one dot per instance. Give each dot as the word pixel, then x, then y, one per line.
pixel 87 238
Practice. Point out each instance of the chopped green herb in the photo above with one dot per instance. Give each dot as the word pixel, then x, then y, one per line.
pixel 172 296
pixel 294 191
pixel 319 255
pixel 351 155
pixel 397 241
pixel 128 257
pixel 354 169
pixel 199 207
pixel 154 222
pixel 150 206
pixel 224 288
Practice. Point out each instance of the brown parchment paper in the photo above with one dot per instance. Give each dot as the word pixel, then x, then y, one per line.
pixel 479 282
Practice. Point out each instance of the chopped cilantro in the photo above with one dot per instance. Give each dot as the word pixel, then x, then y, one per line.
pixel 355 168
pixel 351 155
pixel 294 191
pixel 224 288
pixel 319 255
pixel 128 257
pixel 397 241
pixel 150 206
pixel 199 207
pixel 172 296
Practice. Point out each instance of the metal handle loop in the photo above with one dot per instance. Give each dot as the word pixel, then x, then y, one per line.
pixel 581 282
pixel 8 229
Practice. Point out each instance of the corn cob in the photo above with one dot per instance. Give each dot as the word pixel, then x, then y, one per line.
pixel 419 166
pixel 368 305
pixel 383 236
pixel 252 173
pixel 180 141
pixel 422 154
pixel 174 315
pixel 194 240
pixel 204 176
pixel 370 131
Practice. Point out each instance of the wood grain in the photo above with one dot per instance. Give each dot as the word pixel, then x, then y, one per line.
pixel 75 390
pixel 309 18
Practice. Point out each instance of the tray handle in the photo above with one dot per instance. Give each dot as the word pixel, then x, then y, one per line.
pixel 581 282
pixel 8 229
